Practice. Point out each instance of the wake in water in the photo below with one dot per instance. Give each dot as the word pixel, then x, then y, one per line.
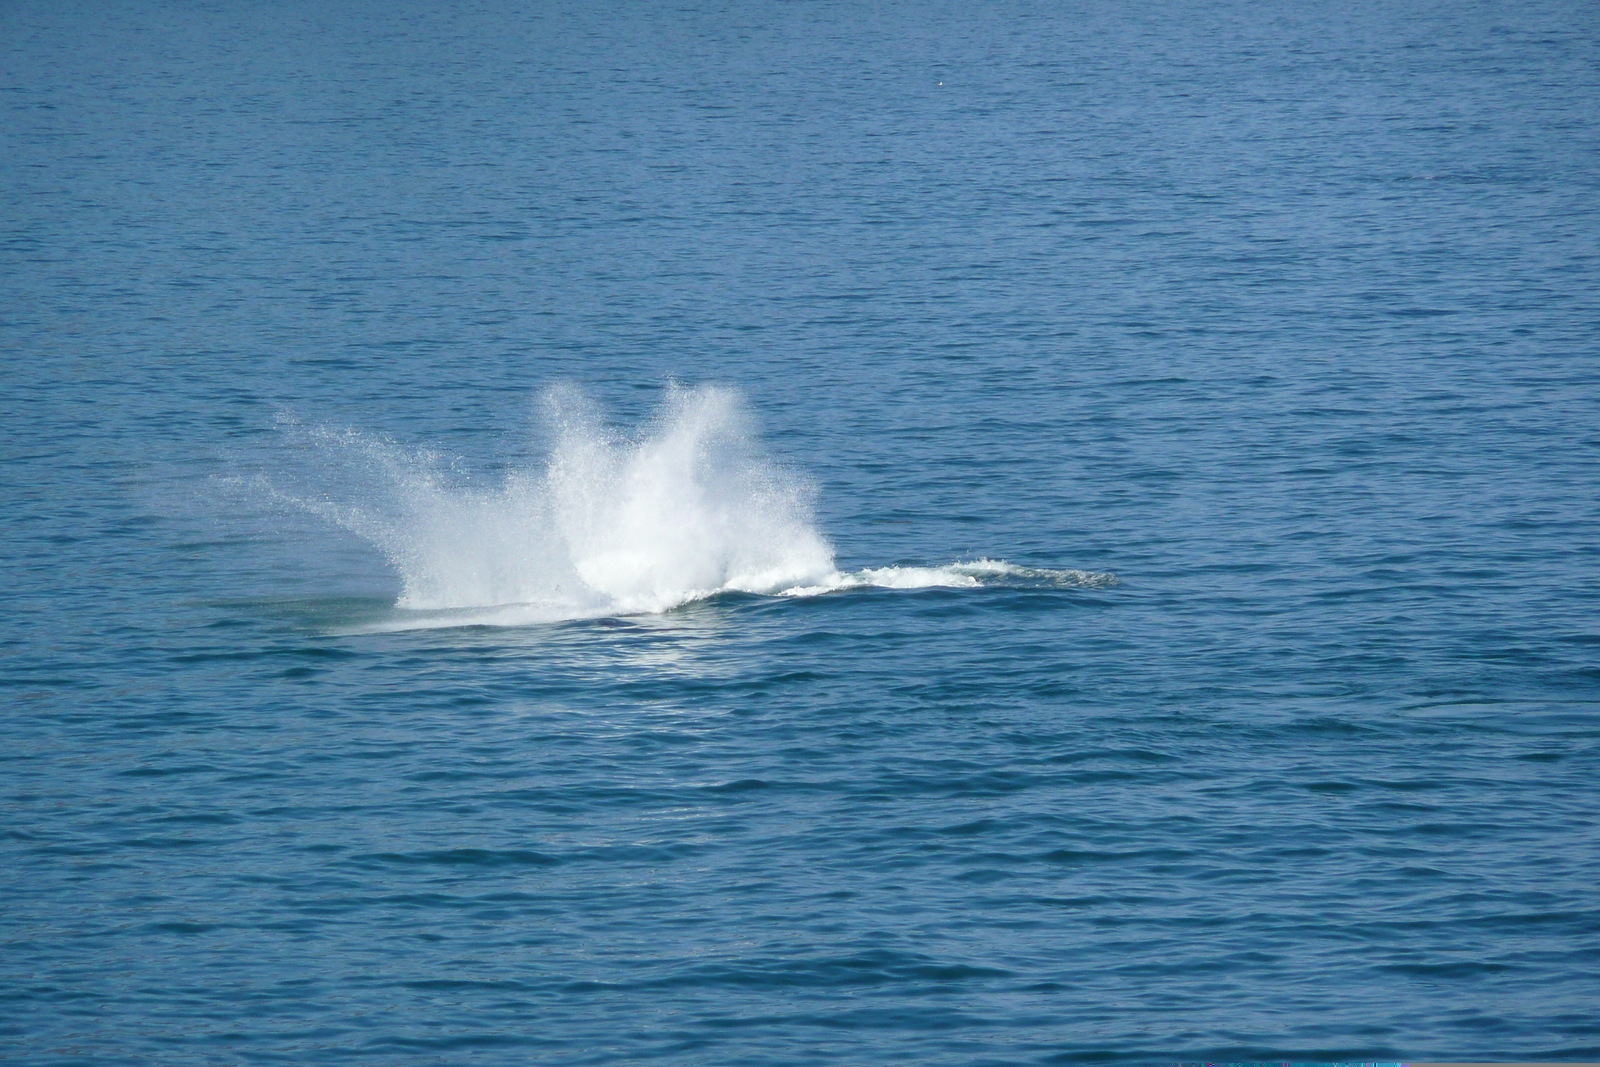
pixel 608 526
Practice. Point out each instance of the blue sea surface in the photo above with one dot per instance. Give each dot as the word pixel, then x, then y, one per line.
pixel 799 533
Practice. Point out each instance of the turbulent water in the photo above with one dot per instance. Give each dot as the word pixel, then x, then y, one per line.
pixel 607 526
pixel 1115 579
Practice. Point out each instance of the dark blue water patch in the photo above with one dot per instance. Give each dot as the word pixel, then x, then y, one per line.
pixel 467 857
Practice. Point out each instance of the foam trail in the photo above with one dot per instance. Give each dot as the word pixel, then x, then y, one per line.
pixel 982 572
pixel 606 526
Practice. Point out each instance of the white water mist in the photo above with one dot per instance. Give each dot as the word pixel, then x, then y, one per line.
pixel 606 525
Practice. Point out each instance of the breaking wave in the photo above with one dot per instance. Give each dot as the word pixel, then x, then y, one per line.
pixel 687 509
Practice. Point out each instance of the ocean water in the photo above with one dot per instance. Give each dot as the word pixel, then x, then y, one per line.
pixel 806 533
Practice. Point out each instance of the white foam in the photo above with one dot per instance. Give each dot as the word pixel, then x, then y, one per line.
pixel 606 526
pixel 982 572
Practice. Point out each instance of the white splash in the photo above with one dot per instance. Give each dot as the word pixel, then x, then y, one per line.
pixel 687 509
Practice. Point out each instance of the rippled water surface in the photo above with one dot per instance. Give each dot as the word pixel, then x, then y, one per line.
pixel 799 533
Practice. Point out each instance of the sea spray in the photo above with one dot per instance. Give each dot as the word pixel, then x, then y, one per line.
pixel 606 524
pixel 689 507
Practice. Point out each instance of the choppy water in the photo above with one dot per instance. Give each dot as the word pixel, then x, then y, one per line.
pixel 1115 577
